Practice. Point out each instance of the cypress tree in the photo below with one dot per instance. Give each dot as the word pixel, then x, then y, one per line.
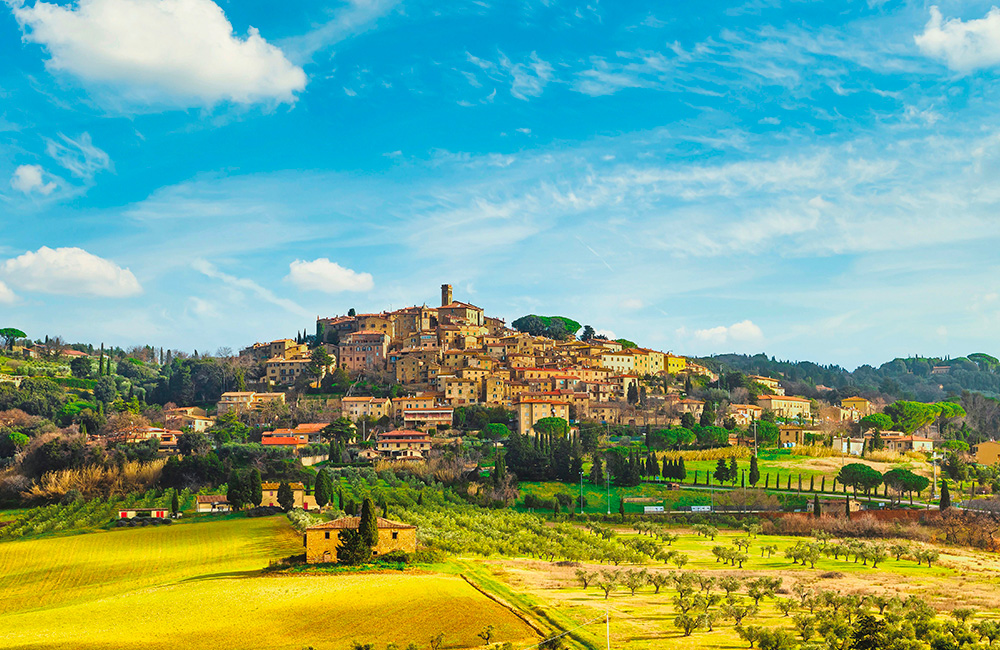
pixel 681 472
pixel 175 505
pixel 385 511
pixel 286 498
pixel 255 489
pixel 621 508
pixel 945 501
pixel 788 485
pixel 767 480
pixel 321 491
pixel 822 484
pixel 754 471
pixel 368 527
pixel 667 468
pixel 812 483
pixel 234 491
pixel 420 498
pixel 340 498
pixel 847 506
pixel 733 469
pixel 816 511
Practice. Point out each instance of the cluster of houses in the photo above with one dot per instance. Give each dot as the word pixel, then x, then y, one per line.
pixel 454 355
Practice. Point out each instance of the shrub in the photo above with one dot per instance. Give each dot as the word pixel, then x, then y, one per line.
pixel 401 557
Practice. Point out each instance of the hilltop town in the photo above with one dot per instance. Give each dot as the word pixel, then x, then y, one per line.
pixel 455 356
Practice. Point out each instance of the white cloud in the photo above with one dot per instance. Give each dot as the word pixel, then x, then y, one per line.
pixel 608 333
pixel 962 45
pixel 70 271
pixel 6 295
pixel 79 156
pixel 742 331
pixel 632 303
pixel 209 270
pixel 326 276
pixel 203 308
pixel 529 78
pixel 179 51
pixel 31 178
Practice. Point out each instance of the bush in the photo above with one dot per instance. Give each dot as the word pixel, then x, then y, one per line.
pixel 141 522
pixel 264 511
pixel 426 555
pixel 401 557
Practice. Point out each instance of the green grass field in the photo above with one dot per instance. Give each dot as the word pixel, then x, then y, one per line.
pixel 199 585
pixel 597 496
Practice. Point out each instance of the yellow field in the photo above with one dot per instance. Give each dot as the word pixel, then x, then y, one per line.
pixel 197 586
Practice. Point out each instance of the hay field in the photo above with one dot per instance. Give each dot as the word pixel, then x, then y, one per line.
pixel 198 585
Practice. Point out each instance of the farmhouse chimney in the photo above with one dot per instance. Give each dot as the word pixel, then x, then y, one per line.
pixel 445 294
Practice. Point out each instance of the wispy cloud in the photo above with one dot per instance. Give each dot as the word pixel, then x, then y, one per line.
pixel 209 270
pixel 353 18
pixel 78 155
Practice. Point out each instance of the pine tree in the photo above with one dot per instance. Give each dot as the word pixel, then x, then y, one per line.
pixel 754 471
pixel 368 527
pixel 721 474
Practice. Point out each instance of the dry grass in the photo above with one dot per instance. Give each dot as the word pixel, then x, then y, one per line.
pixel 97 482
pixel 740 453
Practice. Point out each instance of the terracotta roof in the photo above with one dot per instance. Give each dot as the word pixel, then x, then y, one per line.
pixel 211 498
pixel 275 486
pixel 352 523
pixel 787 398
pixel 393 435
pixel 310 427
pixel 282 440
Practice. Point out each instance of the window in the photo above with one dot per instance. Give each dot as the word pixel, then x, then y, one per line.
pixel 328 534
pixel 395 535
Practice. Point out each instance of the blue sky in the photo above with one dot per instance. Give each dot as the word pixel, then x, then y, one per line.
pixel 814 180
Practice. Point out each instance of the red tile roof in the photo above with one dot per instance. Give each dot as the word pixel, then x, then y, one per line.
pixel 282 440
pixel 211 498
